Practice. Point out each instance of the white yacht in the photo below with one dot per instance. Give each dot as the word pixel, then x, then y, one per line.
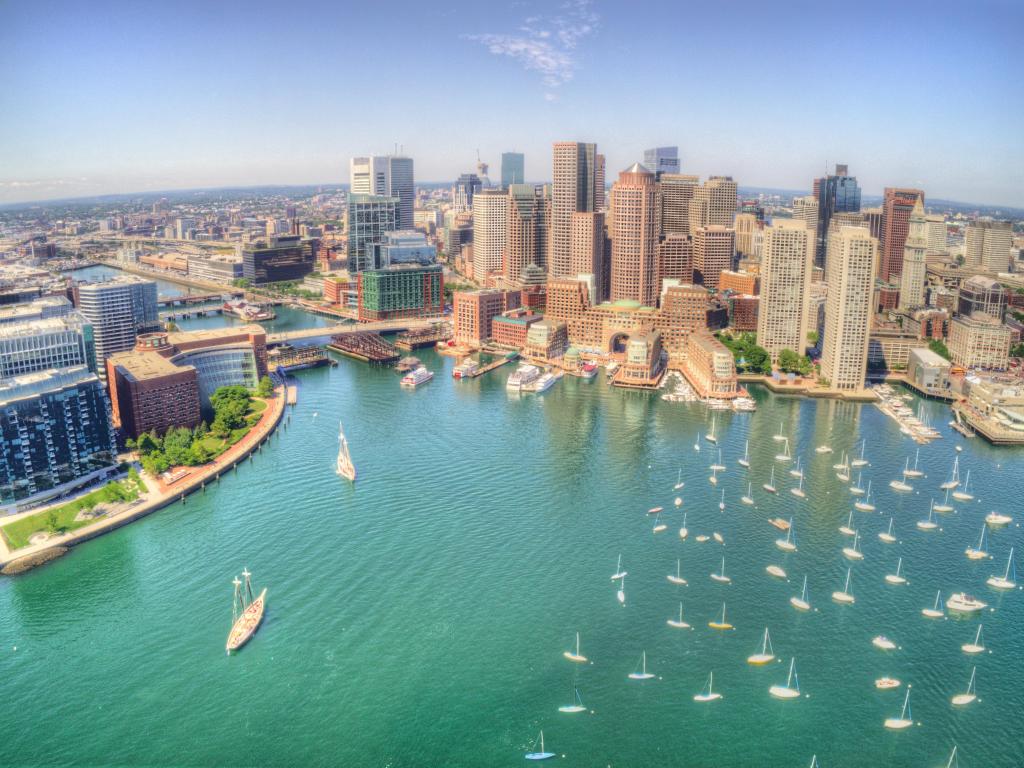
pixel 801 603
pixel 961 602
pixel 416 377
pixel 521 377
pixel 543 383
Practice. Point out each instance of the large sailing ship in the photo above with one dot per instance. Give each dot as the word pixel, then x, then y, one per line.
pixel 344 467
pixel 246 612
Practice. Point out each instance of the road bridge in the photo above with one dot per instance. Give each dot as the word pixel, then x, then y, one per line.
pixel 383 326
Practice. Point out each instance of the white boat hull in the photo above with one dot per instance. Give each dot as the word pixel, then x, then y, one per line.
pixel 800 605
pixel 782 692
pixel 842 597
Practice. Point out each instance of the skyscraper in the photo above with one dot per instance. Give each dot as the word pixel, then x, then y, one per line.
pixel 713 203
pixel 661 160
pixel 578 185
pixel 913 275
pixel 490 214
pixel 936 233
pixel 713 250
pixel 896 208
pixel 387 176
pixel 838 193
pixel 746 226
pixel 634 234
pixel 119 310
pixel 675 259
pixel 369 217
pixel 526 231
pixel 513 168
pixel 851 263
pixel 467 185
pixel 786 260
pixel 587 247
pixel 676 194
pixel 987 244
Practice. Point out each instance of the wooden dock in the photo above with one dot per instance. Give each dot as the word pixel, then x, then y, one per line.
pixel 494 365
pixel 364 345
pixel 423 337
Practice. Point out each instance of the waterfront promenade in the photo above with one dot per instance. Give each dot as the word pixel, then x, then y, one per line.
pixel 158 495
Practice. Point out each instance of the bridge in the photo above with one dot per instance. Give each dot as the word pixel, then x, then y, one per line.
pixel 196 298
pixel 383 326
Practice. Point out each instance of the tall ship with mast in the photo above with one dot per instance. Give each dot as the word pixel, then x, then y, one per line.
pixel 246 612
pixel 344 466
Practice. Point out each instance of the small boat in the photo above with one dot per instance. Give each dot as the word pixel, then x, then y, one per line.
pixel 702 538
pixel 860 462
pixel 643 674
pixel 776 571
pixel 679 623
pixel 854 553
pixel 935 612
pixel 887 683
pixel 718 537
pixel 779 437
pixel 676 578
pixel 823 449
pixel 785 455
pixel 791 690
pixel 866 505
pixel 1006 581
pixel 964 495
pixel 915 472
pixel 679 480
pixel 883 642
pixel 722 624
pixel 344 466
pixel 970 695
pixel 416 377
pixel 780 523
pixel 843 473
pixel 659 526
pixel 929 524
pixel 577 703
pixel 954 476
pixel 770 485
pixel 842 465
pixel 945 506
pixel 714 477
pixel 744 460
pixel 899 485
pixel 997 518
pixel 978 646
pixel 710 436
pixel 799 490
pixel 655 510
pixel 766 655
pixel 718 466
pixel 247 612
pixel 620 595
pixel 467 369
pixel 961 602
pixel 787 544
pixel 857 489
pixel 953 762
pixel 678 501
pixel 845 596
pixel 619 573
pixel 684 531
pixel 903 721
pixel 801 603
pixel 721 578
pixel 707 694
pixel 896 578
pixel 888 536
pixel 541 755
pixel 721 503
pixel 576 656
pixel 848 529
pixel 797 471
pixel 748 499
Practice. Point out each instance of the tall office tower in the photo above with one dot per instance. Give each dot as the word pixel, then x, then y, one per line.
pixel 837 193
pixel 634 235
pixel 490 222
pixel 661 160
pixel 386 176
pixel 467 185
pixel 578 185
pixel 118 310
pixel 713 249
pixel 981 294
pixel 805 209
pixel 936 233
pixel 786 261
pixel 676 194
pixel 746 225
pixel 587 247
pixel 913 275
pixel 875 221
pixel 526 231
pixel 850 266
pixel 369 217
pixel 675 258
pixel 714 203
pixel 987 244
pixel 896 208
pixel 513 167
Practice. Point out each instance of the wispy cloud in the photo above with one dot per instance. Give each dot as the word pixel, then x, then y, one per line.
pixel 546 43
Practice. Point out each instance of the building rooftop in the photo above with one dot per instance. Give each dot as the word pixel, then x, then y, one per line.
pixel 140 366
pixel 184 337
pixel 73 321
pixel 32 384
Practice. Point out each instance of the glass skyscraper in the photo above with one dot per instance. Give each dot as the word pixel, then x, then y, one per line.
pixel 513 166
pixel 838 193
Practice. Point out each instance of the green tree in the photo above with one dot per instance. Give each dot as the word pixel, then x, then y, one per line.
pixel 229 416
pixel 51 522
pixel 177 442
pixel 1017 350
pixel 147 443
pixel 938 346
pixel 197 454
pixel 155 463
pixel 233 393
pixel 788 361
pixel 812 338
pixel 265 388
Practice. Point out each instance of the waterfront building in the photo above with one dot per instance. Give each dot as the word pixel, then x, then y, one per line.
pixel 118 310
pixel 57 342
pixel 547 341
pixel 474 311
pixel 714 247
pixel 634 236
pixel 928 371
pixel 643 364
pixel 513 169
pixel 277 259
pixel 913 276
pixel 526 230
pixel 786 261
pixel 400 291
pixel 889 346
pixel 979 341
pixel 713 203
pixel 675 259
pixel 578 186
pixel 407 246
pixel 837 193
pixel 510 329
pixel 149 392
pixel 850 266
pixel 219 268
pixel 676 193
pixel 465 187
pixel 739 282
pixel 490 223
pixel 370 217
pixel 386 176
pixel 897 206
pixel 710 367
pixel 937 236
pixel 981 294
pixel 659 160
pixel 587 248
pixel 987 245
pixel 743 310
pixel 54 433
pixel 42 308
pixel 747 226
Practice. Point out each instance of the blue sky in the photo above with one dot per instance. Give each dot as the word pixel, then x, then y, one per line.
pixel 123 96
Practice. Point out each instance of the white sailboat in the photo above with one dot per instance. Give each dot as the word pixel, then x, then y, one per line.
pixel 854 553
pixel 721 624
pixel 823 448
pixel 888 536
pixel 915 472
pixel 799 490
pixel 929 524
pixel 979 552
pixel 683 530
pixel 785 455
pixel 577 703
pixel 710 436
pixel 770 485
pixel 787 544
pixel 576 656
pixel 970 695
pixel 935 612
pixel 679 623
pixel 707 694
pixel 797 471
pixel 620 595
pixel 779 437
pixel 744 460
pixel 848 529
pixel 954 476
pixel 884 643
pixel 776 571
pixel 953 762
pixel 541 754
pixel 1006 581
pixel 344 466
pixel 801 603
pixel 748 499
pixel 860 462
pixel 718 537
pixel 679 480
pixel 676 578
pixel 905 720
pixel 643 674
pixel 896 578
pixel 845 596
pixel 721 578
pixel 791 690
pixel 714 477
pixel 901 485
pixel 978 646
pixel 865 505
pixel 721 503
pixel 718 466
pixel 945 506
pixel 964 494
pixel 766 654
pixel 857 489
pixel 659 526
pixel 619 573
pixel 678 501
pixel 843 473
pixel 994 518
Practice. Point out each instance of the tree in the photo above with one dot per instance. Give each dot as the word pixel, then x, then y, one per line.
pixel 233 393
pixel 147 443
pixel 177 442
pixel 51 522
pixel 1017 350
pixel 229 416
pixel 265 388
pixel 938 346
pixel 155 463
pixel 198 454
pixel 788 361
pixel 812 337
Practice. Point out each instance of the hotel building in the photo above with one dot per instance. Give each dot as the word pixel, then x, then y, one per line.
pixel 851 263
pixel 474 311
pixel 980 341
pixel 634 235
pixel 786 262
pixel 710 367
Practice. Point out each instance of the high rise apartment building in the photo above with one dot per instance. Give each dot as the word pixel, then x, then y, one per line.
pixel 490 223
pixel 526 230
pixel 851 263
pixel 659 160
pixel 513 168
pixel 713 203
pixel 587 247
pixel 40 345
pixel 713 250
pixel 467 185
pixel 369 218
pixel 987 244
pixel 937 236
pixel 913 276
pixel 746 226
pixel 677 192
pixel 634 236
pixel 578 186
pixel 786 262
pixel 837 193
pixel 896 209
pixel 386 176
pixel 118 310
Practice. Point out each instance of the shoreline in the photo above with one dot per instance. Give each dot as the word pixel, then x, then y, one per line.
pixel 807 390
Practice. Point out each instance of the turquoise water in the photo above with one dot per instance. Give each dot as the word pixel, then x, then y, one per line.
pixel 420 617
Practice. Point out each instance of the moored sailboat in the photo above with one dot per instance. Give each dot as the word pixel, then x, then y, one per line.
pixel 643 674
pixel 935 612
pixel 721 577
pixel 1006 581
pixel 247 612
pixel 865 505
pixel 766 654
pixel 577 703
pixel 975 647
pixel 770 485
pixel 888 536
pixel 896 578
pixel 970 695
pixel 979 552
pixel 791 690
pixel 905 720
pixel 964 494
pixel 676 578
pixel 845 596
pixel 679 623
pixel 542 754
pixel 787 544
pixel 954 476
pixel 707 694
pixel 576 656
pixel 744 460
pixel 801 603
pixel 721 624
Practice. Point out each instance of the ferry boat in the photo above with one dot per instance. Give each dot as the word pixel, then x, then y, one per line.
pixel 466 369
pixel 542 384
pixel 961 602
pixel 746 404
pixel 416 377
pixel 344 466
pixel 522 376
pixel 247 613
pixel 588 371
pixel 246 311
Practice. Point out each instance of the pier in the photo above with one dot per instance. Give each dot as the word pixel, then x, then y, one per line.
pixel 423 337
pixel 367 346
pixel 494 365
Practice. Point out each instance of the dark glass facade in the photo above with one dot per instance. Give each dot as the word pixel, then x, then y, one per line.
pixel 283 258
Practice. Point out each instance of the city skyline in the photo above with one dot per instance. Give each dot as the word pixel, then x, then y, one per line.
pixel 529 76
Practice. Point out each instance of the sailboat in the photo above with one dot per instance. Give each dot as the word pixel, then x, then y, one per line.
pixel 779 437
pixel 577 703
pixel 541 755
pixel 970 695
pixel 767 652
pixel 857 489
pixel 901 722
pixel 748 499
pixel 842 464
pixel 776 571
pixel 814 762
pixel 643 674
pixel 952 762
pixel 901 485
pixel 770 485
pixel 915 472
pixel 676 578
pixel 678 501
pixel 621 594
pixel 823 448
pixel 714 477
pixel 246 612
pixel 679 623
pixel 945 506
pixel 954 476
pixel 721 577
pixel 785 455
pixel 707 694
pixel 861 462
pixel 883 642
pixel 721 503
pixel 896 578
pixel 929 524
pixel 787 544
pixel 658 525
pixel 978 646
pixel 718 466
pixel 799 490
pixel 577 656
pixel 801 603
pixel 1005 581
pixel 619 573
pixel 684 531
pixel 744 460
pixel 343 465
pixel 979 552
pixel 887 536
pixel 848 529
pixel 997 518
pixel 679 480
pixel 845 596
pixel 854 553
pixel 710 436
pixel 791 690
pixel 935 612
pixel 844 470
pixel 964 495
pixel 866 505
pixel 797 471
pixel 722 623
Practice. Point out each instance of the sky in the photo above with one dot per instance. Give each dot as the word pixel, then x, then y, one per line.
pixel 120 96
